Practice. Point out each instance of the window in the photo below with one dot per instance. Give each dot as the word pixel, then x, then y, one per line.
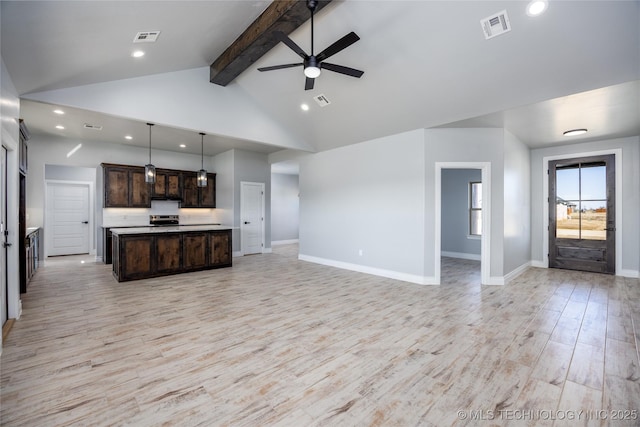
pixel 475 209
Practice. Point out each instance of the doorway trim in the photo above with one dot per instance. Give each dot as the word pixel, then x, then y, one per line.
pixel 617 152
pixel 47 232
pixel 485 245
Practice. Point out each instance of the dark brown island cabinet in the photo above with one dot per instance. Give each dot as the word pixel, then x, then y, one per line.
pixel 140 253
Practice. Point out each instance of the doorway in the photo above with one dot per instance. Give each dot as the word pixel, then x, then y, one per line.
pixel 67 219
pixel 582 220
pixel 252 217
pixel 485 221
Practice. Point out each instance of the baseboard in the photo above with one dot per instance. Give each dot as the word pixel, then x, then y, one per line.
pixel 633 274
pixel 267 250
pixel 538 264
pixel 461 255
pixel 98 258
pixel 518 271
pixel 237 254
pixel 390 274
pixel 283 242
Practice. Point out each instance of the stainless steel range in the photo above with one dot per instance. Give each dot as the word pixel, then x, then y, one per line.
pixel 166 220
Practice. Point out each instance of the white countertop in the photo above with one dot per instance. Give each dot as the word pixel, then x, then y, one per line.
pixel 169 229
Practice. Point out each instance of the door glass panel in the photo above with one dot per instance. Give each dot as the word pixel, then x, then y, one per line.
pixel 594 220
pixel 567 219
pixel 476 223
pixel 568 183
pixel 594 183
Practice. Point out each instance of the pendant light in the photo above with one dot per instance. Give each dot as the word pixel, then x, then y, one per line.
pixel 149 169
pixel 202 174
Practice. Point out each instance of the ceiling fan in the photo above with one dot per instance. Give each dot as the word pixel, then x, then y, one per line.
pixel 313 64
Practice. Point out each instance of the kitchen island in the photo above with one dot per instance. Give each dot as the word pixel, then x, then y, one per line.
pixel 143 252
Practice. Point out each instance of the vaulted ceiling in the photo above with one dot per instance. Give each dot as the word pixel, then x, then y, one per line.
pixel 426 63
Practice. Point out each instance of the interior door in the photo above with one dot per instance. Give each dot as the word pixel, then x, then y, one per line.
pixel 582 214
pixel 252 217
pixel 4 307
pixel 67 219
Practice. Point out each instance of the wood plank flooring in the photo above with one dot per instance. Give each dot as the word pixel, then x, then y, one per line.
pixel 277 341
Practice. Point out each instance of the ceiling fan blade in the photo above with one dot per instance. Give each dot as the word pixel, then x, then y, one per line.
pixel 343 43
pixel 308 84
pixel 279 67
pixel 342 70
pixel 292 45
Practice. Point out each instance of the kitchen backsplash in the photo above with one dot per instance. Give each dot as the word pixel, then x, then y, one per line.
pixel 121 217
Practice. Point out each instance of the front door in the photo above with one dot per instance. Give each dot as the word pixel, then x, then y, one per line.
pixel 67 219
pixel 582 214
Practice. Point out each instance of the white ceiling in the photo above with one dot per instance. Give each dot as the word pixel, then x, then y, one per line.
pixel 426 64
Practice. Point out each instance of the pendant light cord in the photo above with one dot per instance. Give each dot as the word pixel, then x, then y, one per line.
pixel 149 124
pixel 202 150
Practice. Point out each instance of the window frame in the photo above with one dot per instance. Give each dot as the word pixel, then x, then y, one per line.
pixel 471 210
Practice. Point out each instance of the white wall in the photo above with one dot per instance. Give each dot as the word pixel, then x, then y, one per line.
pixel 517 204
pixel 465 145
pixel 252 167
pixel 369 197
pixel 9 115
pixel 285 207
pixel 630 226
pixel 455 237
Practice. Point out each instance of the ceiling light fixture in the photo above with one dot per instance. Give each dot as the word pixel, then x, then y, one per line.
pixel 129 137
pixel 137 54
pixel 304 107
pixel 574 132
pixel 183 146
pixel 149 169
pixel 202 173
pixel 60 112
pixel 537 7
pixel 59 127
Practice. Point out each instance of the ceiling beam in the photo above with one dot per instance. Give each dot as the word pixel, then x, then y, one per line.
pixel 258 38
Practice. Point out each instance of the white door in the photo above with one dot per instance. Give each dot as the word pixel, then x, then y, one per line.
pixel 67 229
pixel 252 217
pixel 4 307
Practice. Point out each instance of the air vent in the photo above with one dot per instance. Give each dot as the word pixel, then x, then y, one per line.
pixel 146 37
pixel 93 127
pixel 322 100
pixel 495 25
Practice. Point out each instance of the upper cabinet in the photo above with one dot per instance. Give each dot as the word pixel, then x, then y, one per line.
pixel 196 197
pixel 125 187
pixel 168 185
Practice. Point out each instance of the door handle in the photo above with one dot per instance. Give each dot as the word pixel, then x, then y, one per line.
pixel 85 222
pixel 6 244
pixel 247 222
pixel 610 229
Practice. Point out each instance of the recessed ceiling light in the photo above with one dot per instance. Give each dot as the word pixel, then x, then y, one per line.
pixel 58 112
pixel 59 127
pixel 304 107
pixel 137 54
pixel 574 132
pixel 537 7
pixel 183 146
pixel 129 137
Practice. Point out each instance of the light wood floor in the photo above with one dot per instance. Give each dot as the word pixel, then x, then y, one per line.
pixel 277 341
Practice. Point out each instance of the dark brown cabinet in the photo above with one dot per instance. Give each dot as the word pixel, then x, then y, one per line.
pixel 168 185
pixel 196 197
pixel 139 256
pixel 168 253
pixel 125 187
pixel 220 244
pixel 194 250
